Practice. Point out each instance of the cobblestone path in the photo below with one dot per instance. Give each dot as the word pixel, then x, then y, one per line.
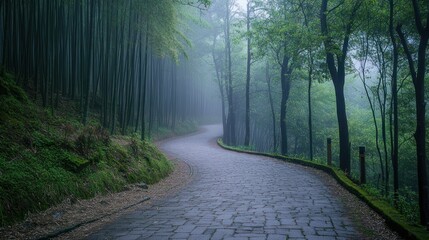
pixel 237 196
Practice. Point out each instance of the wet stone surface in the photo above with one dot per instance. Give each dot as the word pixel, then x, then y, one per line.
pixel 237 196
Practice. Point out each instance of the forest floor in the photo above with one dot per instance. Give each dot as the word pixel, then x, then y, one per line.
pixel 75 219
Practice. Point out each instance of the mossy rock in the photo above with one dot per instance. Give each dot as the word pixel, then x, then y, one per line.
pixel 74 163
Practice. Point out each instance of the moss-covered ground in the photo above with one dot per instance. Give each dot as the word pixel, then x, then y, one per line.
pixel 47 158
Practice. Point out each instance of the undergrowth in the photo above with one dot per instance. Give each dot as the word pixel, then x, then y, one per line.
pixel 47 158
pixel 181 128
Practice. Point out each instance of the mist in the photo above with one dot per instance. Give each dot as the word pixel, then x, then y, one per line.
pixel 277 76
pixel 282 91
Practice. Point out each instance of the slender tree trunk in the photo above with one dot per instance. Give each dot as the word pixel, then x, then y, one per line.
pixel 219 77
pixel 343 128
pixel 310 116
pixel 395 126
pixel 338 78
pixel 143 98
pixel 4 22
pixel 231 139
pixel 247 130
pixel 382 99
pixel 140 82
pixel 90 60
pixel 273 113
pixel 377 145
pixel 285 84
pixel 418 77
pixel 174 96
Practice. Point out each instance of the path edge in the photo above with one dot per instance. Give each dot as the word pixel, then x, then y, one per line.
pixel 70 228
pixel 394 219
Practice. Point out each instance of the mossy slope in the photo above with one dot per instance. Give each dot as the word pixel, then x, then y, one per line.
pixel 45 159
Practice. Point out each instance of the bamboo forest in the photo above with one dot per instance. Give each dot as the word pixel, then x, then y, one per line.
pixel 123 99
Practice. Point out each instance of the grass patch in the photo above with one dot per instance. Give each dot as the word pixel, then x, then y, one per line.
pixel 45 159
pixel 394 219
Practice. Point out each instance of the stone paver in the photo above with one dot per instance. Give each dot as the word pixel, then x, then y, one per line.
pixel 237 196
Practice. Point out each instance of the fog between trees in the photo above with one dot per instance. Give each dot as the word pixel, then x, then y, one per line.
pixel 280 76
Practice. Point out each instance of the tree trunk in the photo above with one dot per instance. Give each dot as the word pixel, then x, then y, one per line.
pixel 310 116
pixel 285 84
pixel 381 93
pixel 90 61
pixel 247 133
pixel 219 77
pixel 371 105
pixel 395 135
pixel 338 78
pixel 273 114
pixel 419 87
pixel 343 128
pixel 143 93
pixel 230 122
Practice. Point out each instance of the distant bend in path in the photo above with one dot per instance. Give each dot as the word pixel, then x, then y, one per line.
pixel 237 196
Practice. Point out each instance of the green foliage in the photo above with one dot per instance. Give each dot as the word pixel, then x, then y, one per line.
pixel 104 180
pixel 159 20
pixel 90 138
pixel 408 204
pixel 32 184
pixel 46 159
pixel 73 162
pixel 145 168
pixel 9 88
pixel 245 148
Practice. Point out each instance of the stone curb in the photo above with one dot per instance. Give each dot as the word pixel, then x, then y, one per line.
pixel 394 219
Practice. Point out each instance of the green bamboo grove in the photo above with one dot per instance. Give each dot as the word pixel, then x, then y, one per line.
pixel 285 75
pixel 123 59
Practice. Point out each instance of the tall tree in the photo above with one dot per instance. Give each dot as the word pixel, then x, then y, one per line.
pixel 90 67
pixel 215 15
pixel 249 59
pixel 418 70
pixel 230 137
pixel 310 44
pixel 270 98
pixel 336 56
pixel 394 133
pixel 363 57
pixel 278 35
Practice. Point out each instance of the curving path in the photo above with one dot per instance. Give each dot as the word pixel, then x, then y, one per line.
pixel 237 196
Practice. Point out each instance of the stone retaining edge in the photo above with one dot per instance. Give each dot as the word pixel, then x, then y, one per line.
pixel 394 219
